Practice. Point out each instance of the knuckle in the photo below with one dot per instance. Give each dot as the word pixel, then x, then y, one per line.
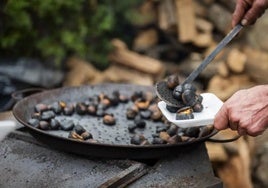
pixel 254 131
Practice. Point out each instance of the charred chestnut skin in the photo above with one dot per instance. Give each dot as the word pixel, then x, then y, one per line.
pixel 80 108
pixel 137 139
pixel 54 124
pixel 79 129
pixel 34 122
pixel 109 119
pixel 186 94
pixel 173 81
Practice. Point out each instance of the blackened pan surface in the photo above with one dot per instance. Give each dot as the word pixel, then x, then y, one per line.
pixel 114 141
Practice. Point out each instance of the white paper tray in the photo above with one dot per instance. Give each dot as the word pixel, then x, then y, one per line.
pixel 211 104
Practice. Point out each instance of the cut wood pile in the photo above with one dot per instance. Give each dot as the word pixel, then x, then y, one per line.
pixel 176 38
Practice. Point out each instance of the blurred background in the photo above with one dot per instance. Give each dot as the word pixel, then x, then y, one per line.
pixel 50 44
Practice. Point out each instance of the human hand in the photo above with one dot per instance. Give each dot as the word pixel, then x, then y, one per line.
pixel 248 11
pixel 246 111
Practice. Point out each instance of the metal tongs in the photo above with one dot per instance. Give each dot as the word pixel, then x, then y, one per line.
pixel 166 95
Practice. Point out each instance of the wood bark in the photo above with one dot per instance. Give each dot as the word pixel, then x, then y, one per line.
pixel 123 56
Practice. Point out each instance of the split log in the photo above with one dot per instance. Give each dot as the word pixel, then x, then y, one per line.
pixel 220 17
pixel 185 20
pixel 81 72
pixel 236 61
pixel 203 40
pixel 212 47
pixel 145 40
pixel 166 15
pixel 122 74
pixel 226 87
pixel 257 65
pixel 216 152
pixel 123 56
pixel 200 9
pixel 204 25
pixel 235 171
pixel 223 69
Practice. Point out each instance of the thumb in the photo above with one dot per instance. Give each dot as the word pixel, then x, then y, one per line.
pixel 221 120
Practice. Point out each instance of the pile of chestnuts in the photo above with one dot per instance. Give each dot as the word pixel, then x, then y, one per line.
pixel 140 107
pixel 187 97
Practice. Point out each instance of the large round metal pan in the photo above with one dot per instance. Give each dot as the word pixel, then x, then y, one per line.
pixel 114 139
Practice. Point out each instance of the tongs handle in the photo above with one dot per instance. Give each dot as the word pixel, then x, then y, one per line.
pixel 212 55
pixel 223 140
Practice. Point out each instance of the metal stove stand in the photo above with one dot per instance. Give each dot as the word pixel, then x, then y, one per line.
pixel 25 162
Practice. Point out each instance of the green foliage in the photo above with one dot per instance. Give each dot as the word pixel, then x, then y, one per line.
pixel 55 29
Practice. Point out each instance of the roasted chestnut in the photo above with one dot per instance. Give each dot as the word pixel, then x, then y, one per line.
pixel 68 110
pixel 142 103
pixel 173 81
pixel 158 140
pixel 177 92
pixel 136 95
pixel 164 136
pixel 123 98
pixel 36 115
pixel 74 135
pixel 92 109
pixel 131 112
pixel 140 123
pixel 137 139
pixel 62 104
pixel 109 119
pixel 174 139
pixel 172 109
pixel 54 124
pixel 189 97
pixel 80 108
pixel 44 125
pixel 79 129
pixel 198 107
pixel 41 107
pixel 132 127
pixel 47 115
pixel 192 132
pixel 156 113
pixel 172 130
pixel 161 128
pixel 86 135
pixel 66 124
pixel 56 107
pixel 34 122
pixel 184 113
pixel 145 114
